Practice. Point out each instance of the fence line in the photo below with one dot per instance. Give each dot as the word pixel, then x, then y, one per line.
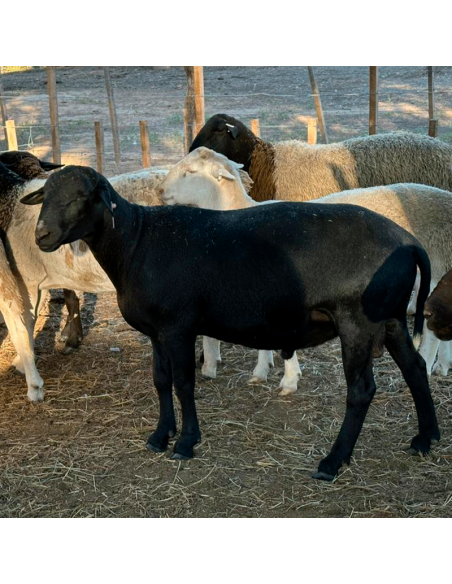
pixel 364 94
pixel 402 103
pixel 334 113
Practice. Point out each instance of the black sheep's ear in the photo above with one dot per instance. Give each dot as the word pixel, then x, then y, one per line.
pixel 105 195
pixel 49 165
pixel 233 130
pixel 34 198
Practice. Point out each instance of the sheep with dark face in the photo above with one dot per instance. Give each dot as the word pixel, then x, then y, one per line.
pixel 27 273
pixel 295 171
pixel 26 164
pixel 284 276
pixel 29 167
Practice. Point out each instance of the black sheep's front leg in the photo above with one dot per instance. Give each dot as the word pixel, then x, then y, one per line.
pixel 183 362
pixel 163 381
pixel 357 362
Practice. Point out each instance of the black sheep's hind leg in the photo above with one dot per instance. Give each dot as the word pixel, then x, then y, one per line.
pixel 412 365
pixel 357 362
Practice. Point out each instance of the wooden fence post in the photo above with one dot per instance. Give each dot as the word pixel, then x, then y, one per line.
pixel 3 108
pixel 255 127
pixel 113 118
pixel 198 79
pixel 189 110
pixel 318 106
pixel 312 131
pixel 373 99
pixel 194 105
pixel 145 144
pixel 432 120
pixel 11 137
pixel 99 137
pixel 53 106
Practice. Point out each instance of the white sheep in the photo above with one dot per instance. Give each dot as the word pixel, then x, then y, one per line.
pixel 207 179
pixel 26 273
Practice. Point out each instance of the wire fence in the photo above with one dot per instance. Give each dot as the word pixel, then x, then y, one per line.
pixel 280 97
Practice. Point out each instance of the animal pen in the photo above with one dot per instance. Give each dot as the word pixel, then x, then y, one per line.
pixel 81 453
pixel 90 115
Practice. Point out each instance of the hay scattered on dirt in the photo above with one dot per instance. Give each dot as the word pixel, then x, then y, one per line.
pixel 82 452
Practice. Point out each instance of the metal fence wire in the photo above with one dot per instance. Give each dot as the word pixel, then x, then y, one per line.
pixel 281 98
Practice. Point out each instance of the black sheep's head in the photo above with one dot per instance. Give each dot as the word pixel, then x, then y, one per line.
pixel 228 136
pixel 73 206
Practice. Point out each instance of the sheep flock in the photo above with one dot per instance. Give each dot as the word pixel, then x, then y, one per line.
pixel 232 267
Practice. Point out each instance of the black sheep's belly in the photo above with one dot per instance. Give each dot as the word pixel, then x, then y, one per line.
pixel 263 337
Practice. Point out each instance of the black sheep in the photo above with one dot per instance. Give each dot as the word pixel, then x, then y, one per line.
pixel 267 277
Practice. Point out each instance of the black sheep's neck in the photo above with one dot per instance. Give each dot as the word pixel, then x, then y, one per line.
pixel 113 234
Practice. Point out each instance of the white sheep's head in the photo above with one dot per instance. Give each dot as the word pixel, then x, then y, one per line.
pixel 205 179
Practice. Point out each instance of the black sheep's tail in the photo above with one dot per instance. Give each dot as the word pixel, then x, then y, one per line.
pixel 423 263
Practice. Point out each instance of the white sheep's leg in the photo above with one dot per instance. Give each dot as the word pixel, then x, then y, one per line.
pixel 22 338
pixel 24 347
pixel 264 362
pixel 429 348
pixel 36 298
pixel 412 305
pixel 212 357
pixel 444 361
pixel 19 321
pixel 292 374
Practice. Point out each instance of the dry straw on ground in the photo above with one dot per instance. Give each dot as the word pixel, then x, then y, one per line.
pixel 82 452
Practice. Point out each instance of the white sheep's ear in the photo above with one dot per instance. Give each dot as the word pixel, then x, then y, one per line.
pixel 220 172
pixel 34 198
pixel 236 165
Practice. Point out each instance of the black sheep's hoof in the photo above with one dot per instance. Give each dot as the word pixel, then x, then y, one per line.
pixel 327 471
pixel 323 476
pixel 157 442
pixel 420 445
pixel 179 456
pixel 154 448
pixel 183 449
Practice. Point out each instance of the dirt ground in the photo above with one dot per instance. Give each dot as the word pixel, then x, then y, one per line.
pixel 82 452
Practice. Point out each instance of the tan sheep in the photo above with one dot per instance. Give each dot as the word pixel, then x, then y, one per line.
pixel 297 171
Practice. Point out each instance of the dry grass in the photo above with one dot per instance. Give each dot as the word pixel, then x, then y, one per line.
pixel 82 452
